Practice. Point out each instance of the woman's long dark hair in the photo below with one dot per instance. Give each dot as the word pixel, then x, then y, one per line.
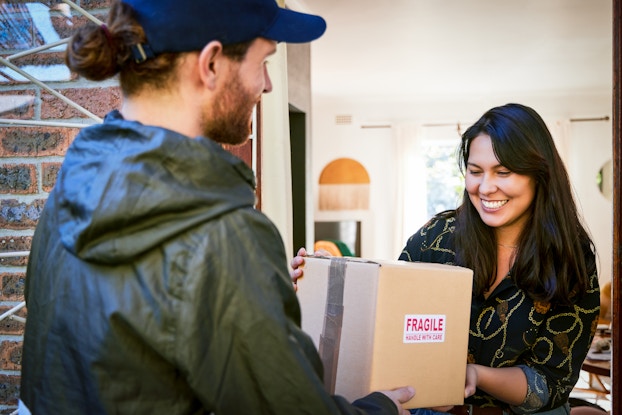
pixel 555 253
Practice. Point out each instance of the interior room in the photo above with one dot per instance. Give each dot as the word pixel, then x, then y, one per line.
pixel 395 82
pixel 425 71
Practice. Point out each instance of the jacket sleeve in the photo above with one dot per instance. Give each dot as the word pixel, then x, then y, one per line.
pixel 239 341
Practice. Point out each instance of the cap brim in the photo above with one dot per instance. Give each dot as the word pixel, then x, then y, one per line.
pixel 295 27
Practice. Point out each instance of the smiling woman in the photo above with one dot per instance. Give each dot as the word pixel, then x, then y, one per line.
pixel 571 29
pixel 532 259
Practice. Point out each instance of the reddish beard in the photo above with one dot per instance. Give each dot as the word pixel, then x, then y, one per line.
pixel 228 121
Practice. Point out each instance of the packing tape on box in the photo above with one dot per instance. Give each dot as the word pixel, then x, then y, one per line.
pixel 333 321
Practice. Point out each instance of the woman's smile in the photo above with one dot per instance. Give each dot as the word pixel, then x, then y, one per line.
pixel 493 204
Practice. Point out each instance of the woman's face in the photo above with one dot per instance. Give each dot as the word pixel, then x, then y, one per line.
pixel 501 196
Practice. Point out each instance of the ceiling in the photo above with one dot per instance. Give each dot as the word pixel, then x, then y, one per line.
pixel 416 50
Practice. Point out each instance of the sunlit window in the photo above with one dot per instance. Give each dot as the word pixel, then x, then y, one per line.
pixel 445 183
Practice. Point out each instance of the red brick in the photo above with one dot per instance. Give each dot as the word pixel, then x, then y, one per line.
pixel 95 4
pixel 11 355
pixel 11 327
pixel 67 27
pixel 49 173
pixel 12 286
pixel 17 261
pixel 18 179
pixel 18 215
pixel 46 58
pixel 35 141
pixel 12 104
pixel 52 59
pixel 15 244
pixel 42 59
pixel 99 101
pixel 63 25
pixel 9 389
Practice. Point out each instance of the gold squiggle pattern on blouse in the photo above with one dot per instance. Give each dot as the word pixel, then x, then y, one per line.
pixel 480 329
pixel 436 244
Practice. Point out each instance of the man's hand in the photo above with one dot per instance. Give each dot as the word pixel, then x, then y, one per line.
pixel 400 396
pixel 298 261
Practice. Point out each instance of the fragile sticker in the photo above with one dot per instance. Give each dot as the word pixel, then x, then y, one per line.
pixel 424 328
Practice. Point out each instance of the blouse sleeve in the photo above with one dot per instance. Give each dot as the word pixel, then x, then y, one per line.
pixel 537 391
pixel 432 243
pixel 562 345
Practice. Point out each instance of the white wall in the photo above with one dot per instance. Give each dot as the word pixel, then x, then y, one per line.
pixel 276 195
pixel 587 146
pixel 590 147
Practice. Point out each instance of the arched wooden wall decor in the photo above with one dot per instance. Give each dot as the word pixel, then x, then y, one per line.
pixel 344 185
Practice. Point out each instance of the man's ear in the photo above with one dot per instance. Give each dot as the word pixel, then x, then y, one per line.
pixel 211 63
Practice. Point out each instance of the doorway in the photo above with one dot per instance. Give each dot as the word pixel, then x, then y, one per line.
pixel 298 140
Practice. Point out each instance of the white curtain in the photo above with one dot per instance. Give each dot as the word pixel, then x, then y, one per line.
pixel 560 130
pixel 411 189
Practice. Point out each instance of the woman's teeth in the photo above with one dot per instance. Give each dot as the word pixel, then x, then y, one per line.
pixel 493 204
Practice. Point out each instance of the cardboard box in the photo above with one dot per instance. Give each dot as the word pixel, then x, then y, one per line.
pixel 385 324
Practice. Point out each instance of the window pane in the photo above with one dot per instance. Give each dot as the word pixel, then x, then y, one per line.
pixel 445 183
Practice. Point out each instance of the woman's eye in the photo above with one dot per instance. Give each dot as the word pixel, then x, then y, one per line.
pixel 504 173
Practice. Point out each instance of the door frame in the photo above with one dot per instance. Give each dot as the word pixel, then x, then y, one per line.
pixel 616 366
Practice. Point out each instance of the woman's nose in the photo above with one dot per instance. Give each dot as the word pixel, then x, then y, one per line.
pixel 487 185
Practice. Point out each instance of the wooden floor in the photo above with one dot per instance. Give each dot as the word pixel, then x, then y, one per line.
pixel 601 399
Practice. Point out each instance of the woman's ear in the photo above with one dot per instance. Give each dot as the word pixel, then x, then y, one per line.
pixel 211 63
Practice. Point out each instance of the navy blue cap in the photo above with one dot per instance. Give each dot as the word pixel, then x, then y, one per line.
pixel 189 25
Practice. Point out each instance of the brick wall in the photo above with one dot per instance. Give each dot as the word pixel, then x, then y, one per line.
pixel 30 156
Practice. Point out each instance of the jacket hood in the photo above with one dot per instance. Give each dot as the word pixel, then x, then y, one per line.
pixel 125 187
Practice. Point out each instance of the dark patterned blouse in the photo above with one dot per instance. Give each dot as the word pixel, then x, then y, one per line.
pixel 549 343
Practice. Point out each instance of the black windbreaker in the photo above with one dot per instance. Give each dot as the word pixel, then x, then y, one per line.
pixel 155 287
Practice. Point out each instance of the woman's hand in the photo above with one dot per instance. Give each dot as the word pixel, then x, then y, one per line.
pixel 470 384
